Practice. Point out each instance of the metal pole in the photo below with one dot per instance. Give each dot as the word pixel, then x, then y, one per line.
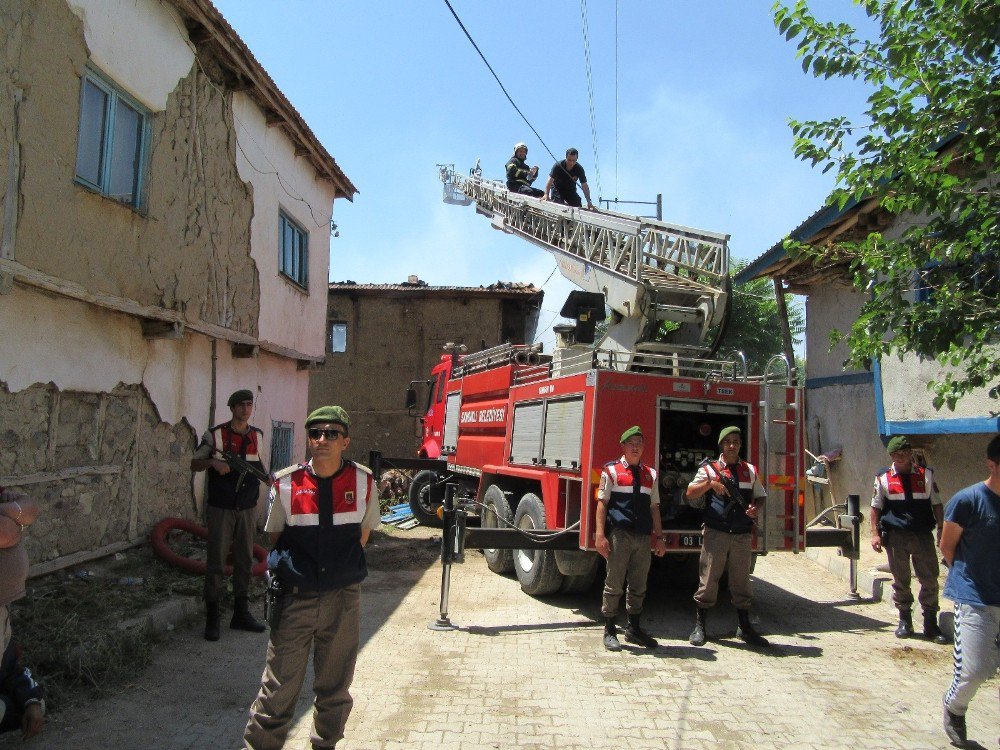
pixel 447 544
pixel 854 512
pixel 659 206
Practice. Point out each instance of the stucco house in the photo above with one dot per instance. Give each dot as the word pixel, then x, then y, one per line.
pixel 382 336
pixel 164 213
pixel 858 410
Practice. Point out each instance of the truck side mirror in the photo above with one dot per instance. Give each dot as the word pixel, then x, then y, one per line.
pixel 411 398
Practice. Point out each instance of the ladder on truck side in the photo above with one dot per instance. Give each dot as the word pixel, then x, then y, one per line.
pixel 648 271
pixel 781 456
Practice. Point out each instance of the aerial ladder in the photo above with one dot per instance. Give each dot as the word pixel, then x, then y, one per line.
pixel 649 272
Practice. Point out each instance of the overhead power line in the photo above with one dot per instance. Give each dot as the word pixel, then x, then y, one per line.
pixel 502 87
pixel 590 90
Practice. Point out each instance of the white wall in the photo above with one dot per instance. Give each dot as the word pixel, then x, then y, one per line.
pixel 289 317
pixel 141 44
pixel 829 307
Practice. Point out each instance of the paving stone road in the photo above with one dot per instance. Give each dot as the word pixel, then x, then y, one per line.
pixel 528 673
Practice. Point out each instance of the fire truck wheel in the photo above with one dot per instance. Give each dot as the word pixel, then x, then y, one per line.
pixel 497 515
pixel 536 569
pixel 423 506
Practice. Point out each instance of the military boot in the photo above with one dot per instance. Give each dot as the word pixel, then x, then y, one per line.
pixel 242 619
pixel 931 630
pixel 905 627
pixel 211 621
pixel 635 634
pixel 746 631
pixel 611 642
pixel 698 635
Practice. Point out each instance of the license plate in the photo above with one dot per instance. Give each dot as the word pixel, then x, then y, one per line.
pixel 689 540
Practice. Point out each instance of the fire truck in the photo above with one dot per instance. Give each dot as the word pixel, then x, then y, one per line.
pixel 522 436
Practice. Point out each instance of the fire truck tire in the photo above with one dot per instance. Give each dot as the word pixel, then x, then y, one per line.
pixel 424 509
pixel 497 515
pixel 536 569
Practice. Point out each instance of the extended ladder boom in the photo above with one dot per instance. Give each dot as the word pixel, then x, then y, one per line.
pixel 648 271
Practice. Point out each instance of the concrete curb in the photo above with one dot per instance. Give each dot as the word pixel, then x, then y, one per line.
pixel 871 583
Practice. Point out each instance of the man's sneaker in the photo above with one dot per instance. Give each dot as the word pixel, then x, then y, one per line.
pixel 954 727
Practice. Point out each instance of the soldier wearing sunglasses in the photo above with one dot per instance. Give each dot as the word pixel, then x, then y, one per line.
pixel 322 513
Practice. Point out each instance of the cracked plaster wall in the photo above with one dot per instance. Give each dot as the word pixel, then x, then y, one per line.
pixel 189 248
pixel 190 251
pixel 103 466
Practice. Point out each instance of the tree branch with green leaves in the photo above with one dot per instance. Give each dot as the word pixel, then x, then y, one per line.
pixel 927 153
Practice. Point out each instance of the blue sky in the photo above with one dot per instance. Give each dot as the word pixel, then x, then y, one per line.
pixel 704 91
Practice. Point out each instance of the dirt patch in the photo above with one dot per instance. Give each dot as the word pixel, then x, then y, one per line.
pixel 391 549
pixel 71 623
pixel 921 656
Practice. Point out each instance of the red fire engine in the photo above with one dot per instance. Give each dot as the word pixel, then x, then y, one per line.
pixel 523 435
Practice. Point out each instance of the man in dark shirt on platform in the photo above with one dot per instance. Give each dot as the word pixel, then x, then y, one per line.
pixel 561 185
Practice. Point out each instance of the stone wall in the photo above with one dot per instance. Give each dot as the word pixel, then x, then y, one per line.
pixel 396 337
pixel 102 466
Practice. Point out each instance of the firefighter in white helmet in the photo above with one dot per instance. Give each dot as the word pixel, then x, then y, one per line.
pixel 519 174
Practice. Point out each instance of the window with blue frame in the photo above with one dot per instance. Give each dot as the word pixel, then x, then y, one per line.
pixel 113 141
pixel 293 255
pixel 281 445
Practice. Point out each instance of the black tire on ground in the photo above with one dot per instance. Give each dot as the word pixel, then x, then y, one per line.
pixel 423 507
pixel 535 568
pixel 497 515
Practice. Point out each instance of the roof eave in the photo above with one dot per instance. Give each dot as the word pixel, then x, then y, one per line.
pixel 276 106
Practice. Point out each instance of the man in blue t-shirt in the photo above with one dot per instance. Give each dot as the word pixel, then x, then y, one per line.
pixel 970 543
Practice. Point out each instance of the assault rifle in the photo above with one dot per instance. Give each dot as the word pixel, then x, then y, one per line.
pixel 244 467
pixel 732 488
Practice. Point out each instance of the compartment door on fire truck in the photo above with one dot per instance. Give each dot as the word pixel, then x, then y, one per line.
pixel 563 432
pixel 526 437
pixel 451 418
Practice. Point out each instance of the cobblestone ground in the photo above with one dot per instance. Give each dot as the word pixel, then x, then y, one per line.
pixel 527 673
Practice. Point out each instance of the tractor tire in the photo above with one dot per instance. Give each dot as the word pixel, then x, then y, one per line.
pixel 424 509
pixel 497 515
pixel 536 569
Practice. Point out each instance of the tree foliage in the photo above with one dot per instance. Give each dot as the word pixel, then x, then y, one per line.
pixel 754 325
pixel 927 151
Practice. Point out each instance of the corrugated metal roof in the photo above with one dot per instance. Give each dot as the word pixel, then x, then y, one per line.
pixel 202 14
pixel 805 231
pixel 823 218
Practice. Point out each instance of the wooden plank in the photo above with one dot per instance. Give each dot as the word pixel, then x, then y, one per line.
pixel 50 566
pixel 60 476
pixel 786 333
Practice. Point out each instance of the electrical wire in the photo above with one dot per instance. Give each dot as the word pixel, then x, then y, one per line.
pixel 590 91
pixel 502 87
pixel 617 142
